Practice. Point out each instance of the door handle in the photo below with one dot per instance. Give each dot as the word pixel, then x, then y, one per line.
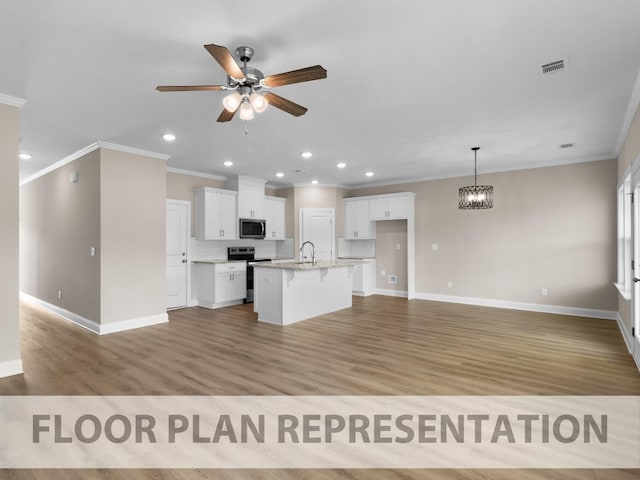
pixel 636 280
pixel 184 261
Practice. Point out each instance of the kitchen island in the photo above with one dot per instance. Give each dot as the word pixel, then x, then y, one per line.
pixel 287 293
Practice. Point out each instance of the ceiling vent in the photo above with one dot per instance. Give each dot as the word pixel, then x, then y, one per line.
pixel 566 145
pixel 553 67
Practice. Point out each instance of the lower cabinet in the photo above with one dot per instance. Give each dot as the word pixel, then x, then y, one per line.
pixel 364 279
pixel 221 284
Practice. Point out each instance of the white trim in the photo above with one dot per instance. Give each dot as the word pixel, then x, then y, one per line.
pixel 531 307
pixel 196 174
pixel 133 150
pixel 627 339
pixel 61 312
pixel 390 293
pixel 74 156
pixel 100 329
pixel 187 204
pixel 318 185
pixel 511 168
pixel 88 149
pixel 632 107
pixel 214 306
pixel 10 368
pixel 133 323
pixel 626 294
pixel 12 102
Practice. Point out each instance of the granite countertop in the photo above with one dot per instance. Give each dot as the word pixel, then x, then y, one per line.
pixel 219 260
pixel 308 266
pixel 358 257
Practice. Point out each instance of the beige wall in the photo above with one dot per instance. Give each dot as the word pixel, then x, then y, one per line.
pixel 133 236
pixel 550 228
pixel 180 187
pixel 59 223
pixel 9 314
pixel 390 234
pixel 628 154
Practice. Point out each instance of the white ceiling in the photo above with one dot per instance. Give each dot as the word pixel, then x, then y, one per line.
pixel 411 85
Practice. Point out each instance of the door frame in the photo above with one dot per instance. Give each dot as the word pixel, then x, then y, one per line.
pixel 301 212
pixel 189 301
pixel 635 255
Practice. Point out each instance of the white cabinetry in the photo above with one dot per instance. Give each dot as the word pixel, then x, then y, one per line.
pixel 356 220
pixel 250 196
pixel 364 280
pixel 389 207
pixel 215 214
pixel 221 284
pixel 275 209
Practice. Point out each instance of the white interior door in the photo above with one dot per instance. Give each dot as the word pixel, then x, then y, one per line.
pixel 178 214
pixel 317 226
pixel 635 218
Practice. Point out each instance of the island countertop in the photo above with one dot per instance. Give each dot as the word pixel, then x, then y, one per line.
pixel 308 266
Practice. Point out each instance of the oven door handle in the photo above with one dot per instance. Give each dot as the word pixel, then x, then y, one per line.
pixel 263 228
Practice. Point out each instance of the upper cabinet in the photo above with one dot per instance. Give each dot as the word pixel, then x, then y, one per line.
pixel 275 210
pixel 215 214
pixel 356 220
pixel 389 207
pixel 250 196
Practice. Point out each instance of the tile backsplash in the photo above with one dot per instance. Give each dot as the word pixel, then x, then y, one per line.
pixel 217 249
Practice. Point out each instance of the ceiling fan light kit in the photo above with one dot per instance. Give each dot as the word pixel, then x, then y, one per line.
pixel 247 84
pixel 475 197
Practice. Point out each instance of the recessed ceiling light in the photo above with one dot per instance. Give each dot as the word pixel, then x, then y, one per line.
pixel 369 174
pixel 24 156
pixel 279 174
pixel 315 182
pixel 307 154
pixel 341 165
pixel 169 137
pixel 228 163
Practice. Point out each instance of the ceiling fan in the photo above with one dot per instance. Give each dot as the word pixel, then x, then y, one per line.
pixel 247 84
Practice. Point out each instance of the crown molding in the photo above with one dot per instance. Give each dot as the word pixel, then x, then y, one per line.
pixel 132 150
pixel 12 101
pixel 632 107
pixel 74 156
pixel 428 178
pixel 319 185
pixel 193 173
pixel 88 149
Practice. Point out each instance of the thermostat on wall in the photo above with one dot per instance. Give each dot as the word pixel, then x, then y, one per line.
pixel 73 177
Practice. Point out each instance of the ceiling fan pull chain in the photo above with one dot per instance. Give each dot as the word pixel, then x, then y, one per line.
pixel 246 128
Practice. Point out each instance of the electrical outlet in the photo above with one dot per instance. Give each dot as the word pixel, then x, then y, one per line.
pixel 393 279
pixel 59 294
pixel 544 292
pixel 383 273
pixel 435 247
pixel 449 284
pixel 397 246
pixel 92 251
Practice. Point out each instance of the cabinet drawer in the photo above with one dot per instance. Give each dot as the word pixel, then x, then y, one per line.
pixel 231 267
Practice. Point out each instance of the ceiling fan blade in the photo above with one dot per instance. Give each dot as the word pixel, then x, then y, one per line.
pixel 190 88
pixel 296 76
pixel 225 59
pixel 226 115
pixel 284 104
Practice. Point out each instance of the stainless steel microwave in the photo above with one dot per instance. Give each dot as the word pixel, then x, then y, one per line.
pixel 252 228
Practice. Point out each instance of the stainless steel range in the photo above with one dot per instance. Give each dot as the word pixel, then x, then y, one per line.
pixel 248 254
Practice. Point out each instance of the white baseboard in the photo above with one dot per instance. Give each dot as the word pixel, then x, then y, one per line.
pixel 11 367
pixel 391 293
pixel 133 323
pixel 214 306
pixel 531 307
pixel 625 335
pixel 100 329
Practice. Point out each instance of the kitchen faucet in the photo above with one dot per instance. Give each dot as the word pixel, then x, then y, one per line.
pixel 313 252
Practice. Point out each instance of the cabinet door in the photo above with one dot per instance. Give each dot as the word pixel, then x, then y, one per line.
pixel 397 207
pixel 279 212
pixel 238 286
pixel 257 202
pixel 223 287
pixel 274 214
pixel 228 221
pixel 378 209
pixel 357 278
pixel 364 224
pixel 213 215
pixel 351 220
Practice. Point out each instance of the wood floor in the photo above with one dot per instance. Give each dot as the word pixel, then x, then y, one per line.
pixel 381 346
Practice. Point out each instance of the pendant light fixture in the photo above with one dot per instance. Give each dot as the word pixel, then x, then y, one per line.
pixel 475 197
